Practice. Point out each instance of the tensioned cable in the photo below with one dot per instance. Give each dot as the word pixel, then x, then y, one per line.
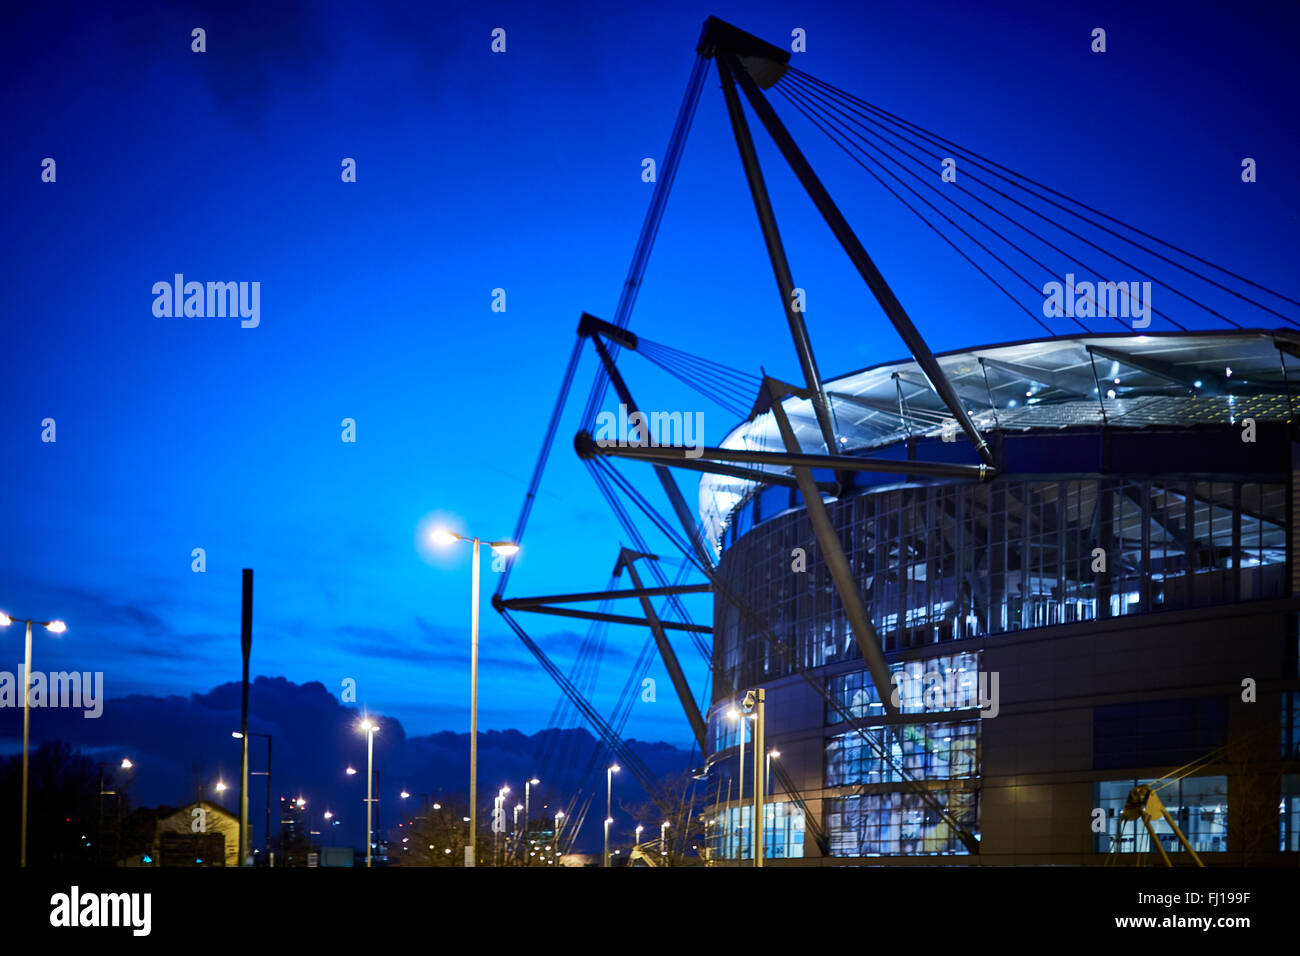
pixel 992 166
pixel 1031 232
pixel 939 232
pixel 799 103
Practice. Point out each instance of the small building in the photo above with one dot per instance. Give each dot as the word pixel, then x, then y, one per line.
pixel 202 833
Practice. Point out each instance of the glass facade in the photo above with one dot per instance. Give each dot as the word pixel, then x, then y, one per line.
pixel 938 751
pixel 1289 813
pixel 1198 804
pixel 902 823
pixel 942 562
pixel 938 684
pixel 1291 726
pixel 729 833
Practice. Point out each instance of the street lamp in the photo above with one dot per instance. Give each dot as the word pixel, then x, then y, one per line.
pixel 768 773
pixel 639 828
pixel 54 627
pixel 117 804
pixel 528 785
pixel 559 818
pixel 266 842
pixel 369 727
pixel 609 787
pixel 735 714
pixel 663 847
pixel 505 549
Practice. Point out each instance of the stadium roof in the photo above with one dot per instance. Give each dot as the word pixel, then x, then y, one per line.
pixel 1139 380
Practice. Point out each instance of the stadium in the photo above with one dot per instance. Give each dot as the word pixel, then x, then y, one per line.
pixel 1025 603
pixel 1122 575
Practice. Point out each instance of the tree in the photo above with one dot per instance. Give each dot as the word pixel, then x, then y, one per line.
pixel 62 807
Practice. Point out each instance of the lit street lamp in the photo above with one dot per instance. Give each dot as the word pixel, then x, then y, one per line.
pixel 663 846
pixel 505 549
pixel 609 787
pixel 369 727
pixel 639 828
pixel 528 785
pixel 54 627
pixel 117 804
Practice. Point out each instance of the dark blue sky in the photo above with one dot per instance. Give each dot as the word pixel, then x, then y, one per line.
pixel 479 171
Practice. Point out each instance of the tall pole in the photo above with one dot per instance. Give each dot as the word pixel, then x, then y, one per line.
pixel 246 645
pixel 266 837
pixel 740 797
pixel 527 787
pixel 760 825
pixel 473 715
pixel 370 781
pixel 609 788
pixel 27 689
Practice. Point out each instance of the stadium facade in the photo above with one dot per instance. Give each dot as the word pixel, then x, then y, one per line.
pixel 1118 604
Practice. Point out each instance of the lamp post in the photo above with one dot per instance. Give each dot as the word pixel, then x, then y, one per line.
pixel 663 845
pixel 54 627
pixel 609 788
pixel 737 715
pixel 266 841
pixel 369 727
pixel 528 785
pixel 559 822
pixel 768 774
pixel 505 549
pixel 639 828
pixel 117 805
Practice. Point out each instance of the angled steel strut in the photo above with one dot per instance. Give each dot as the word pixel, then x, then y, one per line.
pixel 732 67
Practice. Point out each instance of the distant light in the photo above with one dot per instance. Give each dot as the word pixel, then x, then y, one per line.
pixel 237 735
pixel 350 771
pixel 615 768
pixel 405 794
pixel 1011 404
pixel 220 787
pixel 329 815
pixel 5 619
pixel 443 536
pixel 1144 338
pixel 534 781
pixel 56 627
pixel 1110 393
pixel 1228 371
pixel 505 548
pixel 1197 383
pixel 126 763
